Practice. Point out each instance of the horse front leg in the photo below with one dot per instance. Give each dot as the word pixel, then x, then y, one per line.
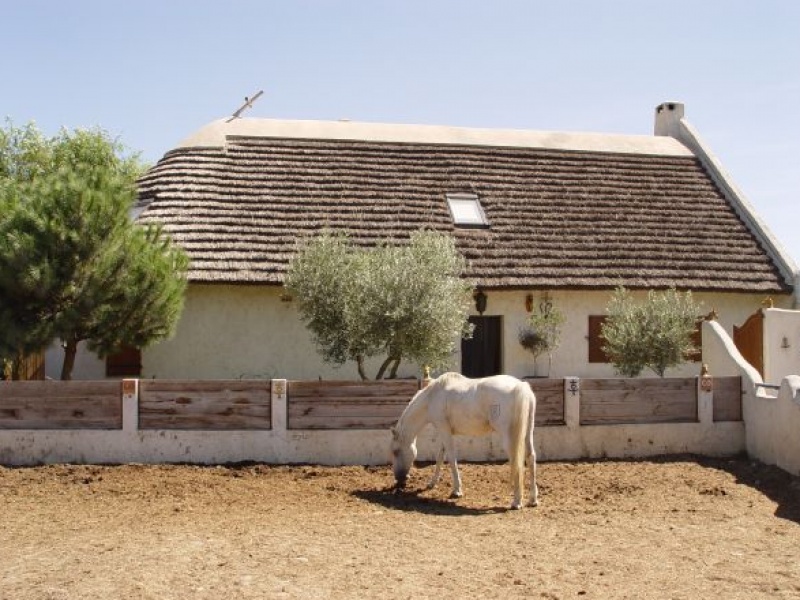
pixel 437 472
pixel 449 445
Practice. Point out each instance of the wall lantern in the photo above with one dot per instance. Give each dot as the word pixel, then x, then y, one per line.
pixel 785 343
pixel 529 303
pixel 480 301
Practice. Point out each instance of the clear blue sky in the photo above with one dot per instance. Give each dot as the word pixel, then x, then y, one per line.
pixel 153 71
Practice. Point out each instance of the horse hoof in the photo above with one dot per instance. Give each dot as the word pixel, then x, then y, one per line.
pixel 455 495
pixel 533 503
pixel 516 506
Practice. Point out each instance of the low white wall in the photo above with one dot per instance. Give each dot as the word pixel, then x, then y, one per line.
pixel 787 425
pixel 771 418
pixel 361 447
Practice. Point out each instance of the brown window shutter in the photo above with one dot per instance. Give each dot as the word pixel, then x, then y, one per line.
pixel 596 341
pixel 125 363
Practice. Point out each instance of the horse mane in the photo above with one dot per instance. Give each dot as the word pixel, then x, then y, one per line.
pixel 433 387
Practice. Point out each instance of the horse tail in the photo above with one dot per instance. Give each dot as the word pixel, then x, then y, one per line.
pixel 531 420
pixel 521 423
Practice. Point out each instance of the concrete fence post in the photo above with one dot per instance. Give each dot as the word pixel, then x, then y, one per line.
pixel 705 399
pixel 130 405
pixel 572 402
pixel 279 400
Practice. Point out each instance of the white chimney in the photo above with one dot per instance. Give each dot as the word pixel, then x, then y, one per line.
pixel 668 118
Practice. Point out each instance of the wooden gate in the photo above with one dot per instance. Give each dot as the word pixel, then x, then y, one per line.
pixel 30 368
pixel 749 340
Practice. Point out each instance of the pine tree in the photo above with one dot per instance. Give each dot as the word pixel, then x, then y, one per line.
pixel 72 265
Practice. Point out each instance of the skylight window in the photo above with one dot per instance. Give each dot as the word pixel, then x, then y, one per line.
pixel 466 210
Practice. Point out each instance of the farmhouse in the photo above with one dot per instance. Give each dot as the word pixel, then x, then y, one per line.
pixel 543 219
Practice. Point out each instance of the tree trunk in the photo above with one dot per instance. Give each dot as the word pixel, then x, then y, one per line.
pixel 70 350
pixel 394 362
pixel 384 366
pixel 393 374
pixel 361 372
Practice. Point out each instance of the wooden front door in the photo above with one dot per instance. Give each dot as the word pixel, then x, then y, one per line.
pixel 481 355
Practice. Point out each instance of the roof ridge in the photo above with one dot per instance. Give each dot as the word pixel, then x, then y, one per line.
pixel 216 133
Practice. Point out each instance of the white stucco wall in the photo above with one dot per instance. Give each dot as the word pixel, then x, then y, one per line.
pixel 87 365
pixel 781 344
pixel 571 357
pixel 232 332
pixel 248 332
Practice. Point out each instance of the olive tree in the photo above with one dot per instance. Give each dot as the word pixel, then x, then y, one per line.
pixel 655 334
pixel 73 266
pixel 400 302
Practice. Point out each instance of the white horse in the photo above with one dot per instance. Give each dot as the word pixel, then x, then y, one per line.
pixel 456 405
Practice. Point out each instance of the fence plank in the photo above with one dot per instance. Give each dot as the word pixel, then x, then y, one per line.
pixel 661 400
pixel 728 398
pixel 348 404
pixel 60 405
pixel 219 405
pixel 378 404
pixel 549 401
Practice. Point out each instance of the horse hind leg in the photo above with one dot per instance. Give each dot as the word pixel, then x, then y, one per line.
pixel 516 477
pixel 533 500
pixel 530 451
pixel 437 472
pixel 516 464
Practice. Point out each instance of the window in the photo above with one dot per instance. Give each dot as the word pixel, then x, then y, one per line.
pixel 596 340
pixel 125 363
pixel 466 210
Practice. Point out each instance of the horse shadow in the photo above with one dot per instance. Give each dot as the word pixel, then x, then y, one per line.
pixel 412 501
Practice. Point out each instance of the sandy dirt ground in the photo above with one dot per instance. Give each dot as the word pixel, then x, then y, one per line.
pixel 670 528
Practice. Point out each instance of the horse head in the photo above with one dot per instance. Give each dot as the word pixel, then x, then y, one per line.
pixel 403 455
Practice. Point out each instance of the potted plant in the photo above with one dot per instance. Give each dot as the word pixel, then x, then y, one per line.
pixel 541 333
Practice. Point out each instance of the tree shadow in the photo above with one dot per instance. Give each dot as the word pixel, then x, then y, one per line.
pixel 411 501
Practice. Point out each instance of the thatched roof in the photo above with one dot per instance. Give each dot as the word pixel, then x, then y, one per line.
pixel 580 211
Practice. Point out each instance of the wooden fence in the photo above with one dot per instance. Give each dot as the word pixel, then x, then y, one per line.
pixel 549 401
pixel 617 401
pixel 60 405
pixel 727 399
pixel 29 368
pixel 347 404
pixel 341 422
pixel 205 405
pixel 232 405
